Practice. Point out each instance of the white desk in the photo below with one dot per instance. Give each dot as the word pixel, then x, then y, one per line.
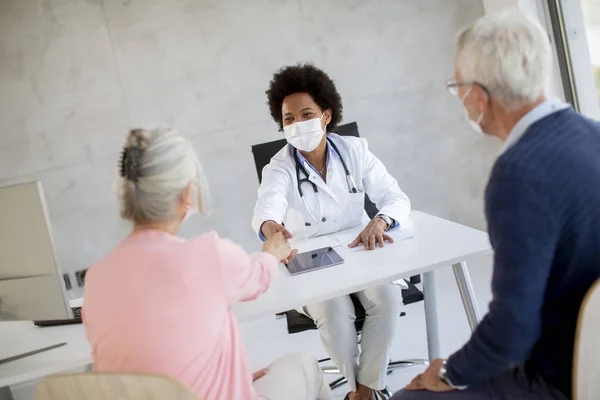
pixel 21 337
pixel 437 243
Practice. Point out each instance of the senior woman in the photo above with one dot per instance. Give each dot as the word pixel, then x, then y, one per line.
pixel 161 304
pixel 316 185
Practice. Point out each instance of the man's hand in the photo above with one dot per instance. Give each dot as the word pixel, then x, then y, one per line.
pixel 373 233
pixel 270 229
pixel 430 379
pixel 259 374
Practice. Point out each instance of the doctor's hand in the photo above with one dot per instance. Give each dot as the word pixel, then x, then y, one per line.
pixel 270 228
pixel 373 234
pixel 278 246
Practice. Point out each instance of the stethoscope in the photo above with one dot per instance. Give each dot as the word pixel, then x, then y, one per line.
pixel 299 167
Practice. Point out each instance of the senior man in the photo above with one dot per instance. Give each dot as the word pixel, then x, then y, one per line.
pixel 543 213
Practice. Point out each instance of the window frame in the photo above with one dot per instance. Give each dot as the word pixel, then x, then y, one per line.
pixel 571 45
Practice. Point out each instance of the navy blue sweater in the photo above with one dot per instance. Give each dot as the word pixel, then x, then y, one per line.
pixel 543 213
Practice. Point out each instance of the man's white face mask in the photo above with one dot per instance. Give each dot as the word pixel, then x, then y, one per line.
pixel 305 135
pixel 475 124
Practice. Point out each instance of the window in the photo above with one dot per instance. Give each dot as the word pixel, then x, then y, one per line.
pixel 576 30
pixel 591 17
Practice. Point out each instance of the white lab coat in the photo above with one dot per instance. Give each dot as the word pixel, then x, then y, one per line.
pixel 280 201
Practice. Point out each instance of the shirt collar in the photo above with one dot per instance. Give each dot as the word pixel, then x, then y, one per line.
pixel 306 164
pixel 540 111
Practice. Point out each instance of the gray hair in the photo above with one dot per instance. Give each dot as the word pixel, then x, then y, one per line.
pixel 510 54
pixel 156 167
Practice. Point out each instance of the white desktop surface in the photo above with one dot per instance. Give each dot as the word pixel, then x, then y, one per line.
pixel 22 337
pixel 437 243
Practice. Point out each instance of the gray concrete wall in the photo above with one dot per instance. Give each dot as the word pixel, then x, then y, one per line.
pixel 75 75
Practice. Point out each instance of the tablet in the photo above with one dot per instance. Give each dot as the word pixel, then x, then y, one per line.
pixel 313 260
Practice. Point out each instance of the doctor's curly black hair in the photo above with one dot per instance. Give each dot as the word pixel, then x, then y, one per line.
pixel 308 79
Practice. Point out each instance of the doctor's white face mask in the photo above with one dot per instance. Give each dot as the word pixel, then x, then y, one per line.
pixel 305 135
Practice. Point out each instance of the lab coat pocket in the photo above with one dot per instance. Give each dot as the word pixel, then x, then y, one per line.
pixel 354 210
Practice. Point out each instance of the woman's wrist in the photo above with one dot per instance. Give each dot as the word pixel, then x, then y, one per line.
pixel 268 248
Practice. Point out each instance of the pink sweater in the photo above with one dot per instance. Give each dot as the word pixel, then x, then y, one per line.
pixel 160 304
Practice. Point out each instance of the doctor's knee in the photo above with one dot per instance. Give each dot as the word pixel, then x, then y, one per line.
pixel 384 299
pixel 333 313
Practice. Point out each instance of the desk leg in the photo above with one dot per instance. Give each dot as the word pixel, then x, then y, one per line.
pixel 6 393
pixel 431 316
pixel 463 281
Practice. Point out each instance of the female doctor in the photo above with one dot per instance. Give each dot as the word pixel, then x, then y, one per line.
pixel 316 185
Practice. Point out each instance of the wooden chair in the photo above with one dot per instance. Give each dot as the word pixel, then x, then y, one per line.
pixel 96 386
pixel 586 357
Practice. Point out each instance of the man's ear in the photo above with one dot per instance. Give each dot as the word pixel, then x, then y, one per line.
pixel 482 99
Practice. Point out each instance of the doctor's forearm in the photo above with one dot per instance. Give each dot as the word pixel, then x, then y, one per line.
pixel 393 202
pixel 398 211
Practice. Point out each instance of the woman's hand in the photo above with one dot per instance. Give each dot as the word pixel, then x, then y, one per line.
pixel 278 246
pixel 373 233
pixel 271 228
pixel 259 374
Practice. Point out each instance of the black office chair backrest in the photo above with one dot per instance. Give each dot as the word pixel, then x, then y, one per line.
pixel 265 151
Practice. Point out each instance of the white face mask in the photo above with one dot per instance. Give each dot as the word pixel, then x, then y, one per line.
pixel 474 123
pixel 305 135
pixel 194 208
pixel 190 211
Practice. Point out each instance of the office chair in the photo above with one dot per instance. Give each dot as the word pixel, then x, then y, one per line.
pixel 96 386
pixel 297 322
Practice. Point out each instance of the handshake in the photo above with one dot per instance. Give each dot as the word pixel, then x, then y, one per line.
pixel 277 242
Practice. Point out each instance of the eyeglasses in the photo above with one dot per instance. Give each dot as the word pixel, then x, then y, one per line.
pixel 452 86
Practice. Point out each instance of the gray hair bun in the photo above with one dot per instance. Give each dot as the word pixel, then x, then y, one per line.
pixel 131 156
